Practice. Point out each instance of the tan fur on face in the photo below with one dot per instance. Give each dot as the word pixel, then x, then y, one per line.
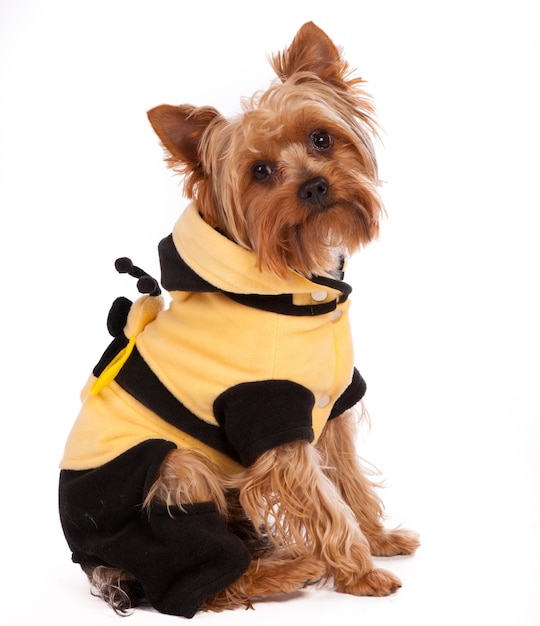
pixel 269 217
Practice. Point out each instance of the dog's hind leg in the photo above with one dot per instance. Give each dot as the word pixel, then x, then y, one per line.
pixel 174 549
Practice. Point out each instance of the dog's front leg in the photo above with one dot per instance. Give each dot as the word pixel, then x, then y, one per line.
pixel 287 491
pixel 337 448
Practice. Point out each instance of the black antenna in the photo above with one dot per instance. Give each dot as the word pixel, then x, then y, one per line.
pixel 145 284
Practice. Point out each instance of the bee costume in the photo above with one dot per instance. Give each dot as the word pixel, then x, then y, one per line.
pixel 239 362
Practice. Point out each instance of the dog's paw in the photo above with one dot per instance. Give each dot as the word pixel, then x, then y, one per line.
pixel 394 543
pixel 268 577
pixel 377 582
pixel 285 575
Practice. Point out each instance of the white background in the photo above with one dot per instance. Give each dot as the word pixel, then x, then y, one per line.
pixel 446 305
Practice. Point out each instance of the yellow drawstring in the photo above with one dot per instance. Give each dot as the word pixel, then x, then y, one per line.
pixel 112 369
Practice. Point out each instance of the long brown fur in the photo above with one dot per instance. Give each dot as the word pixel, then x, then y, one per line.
pixel 270 219
pixel 307 513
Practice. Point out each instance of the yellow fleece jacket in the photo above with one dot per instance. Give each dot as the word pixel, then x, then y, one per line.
pixel 248 357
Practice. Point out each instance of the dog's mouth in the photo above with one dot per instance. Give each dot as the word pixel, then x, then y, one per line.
pixel 318 197
pixel 320 208
pixel 349 220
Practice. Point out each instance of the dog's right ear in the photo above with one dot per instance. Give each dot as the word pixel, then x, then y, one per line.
pixel 180 129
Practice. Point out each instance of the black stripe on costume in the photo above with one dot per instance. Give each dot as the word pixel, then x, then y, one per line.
pixel 139 380
pixel 282 304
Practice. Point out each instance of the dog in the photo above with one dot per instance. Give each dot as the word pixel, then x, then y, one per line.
pixel 213 461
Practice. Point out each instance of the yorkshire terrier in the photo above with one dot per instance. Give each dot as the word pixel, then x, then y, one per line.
pixel 213 461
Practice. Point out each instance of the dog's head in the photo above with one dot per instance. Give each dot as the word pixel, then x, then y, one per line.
pixel 294 178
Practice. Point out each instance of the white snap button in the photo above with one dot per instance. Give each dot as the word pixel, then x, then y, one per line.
pixel 319 296
pixel 323 401
pixel 336 316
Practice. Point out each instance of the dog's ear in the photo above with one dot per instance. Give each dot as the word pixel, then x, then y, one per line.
pixel 311 52
pixel 180 129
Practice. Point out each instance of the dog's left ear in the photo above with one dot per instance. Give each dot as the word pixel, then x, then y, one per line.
pixel 180 129
pixel 311 51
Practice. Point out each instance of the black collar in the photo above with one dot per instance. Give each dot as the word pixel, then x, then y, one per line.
pixel 177 275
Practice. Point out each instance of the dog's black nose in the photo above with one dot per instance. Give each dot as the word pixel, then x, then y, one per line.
pixel 314 191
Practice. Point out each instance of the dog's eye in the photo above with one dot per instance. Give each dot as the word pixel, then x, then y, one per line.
pixel 321 140
pixel 261 172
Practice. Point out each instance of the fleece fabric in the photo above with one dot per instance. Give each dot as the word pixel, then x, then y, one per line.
pixel 238 363
pixel 251 374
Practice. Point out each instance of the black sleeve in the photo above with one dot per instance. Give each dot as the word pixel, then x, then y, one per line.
pixel 353 394
pixel 259 416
